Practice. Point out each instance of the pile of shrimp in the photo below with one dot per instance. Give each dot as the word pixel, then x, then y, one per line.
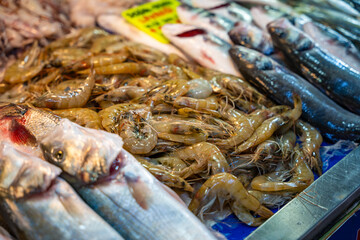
pixel 209 136
pixel 24 21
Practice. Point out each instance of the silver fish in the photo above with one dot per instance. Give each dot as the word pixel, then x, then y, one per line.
pixel 205 48
pixel 40 205
pixel 131 200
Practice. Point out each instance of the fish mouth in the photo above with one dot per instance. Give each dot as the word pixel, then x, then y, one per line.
pixel 114 169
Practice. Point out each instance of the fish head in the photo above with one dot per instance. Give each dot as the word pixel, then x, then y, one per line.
pixel 241 33
pixel 22 174
pixel 287 36
pixel 249 60
pixel 86 154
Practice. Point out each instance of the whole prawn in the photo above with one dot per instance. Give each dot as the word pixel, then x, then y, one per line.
pixel 226 187
pixel 207 157
pixel 66 97
pixel 311 141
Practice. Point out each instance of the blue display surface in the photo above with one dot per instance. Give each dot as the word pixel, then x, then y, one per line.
pixel 233 229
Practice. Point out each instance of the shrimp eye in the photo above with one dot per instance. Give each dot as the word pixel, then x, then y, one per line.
pixel 59 156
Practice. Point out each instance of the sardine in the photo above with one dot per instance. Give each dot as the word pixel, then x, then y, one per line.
pixel 279 83
pixel 250 36
pixel 117 24
pixel 129 198
pixel 211 22
pixel 332 76
pixel 205 48
pixel 40 205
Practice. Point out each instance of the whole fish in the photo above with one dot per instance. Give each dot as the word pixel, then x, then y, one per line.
pixel 211 22
pixel 205 48
pixel 250 36
pixel 262 17
pixel 117 24
pixel 39 205
pixel 331 75
pixel 341 22
pixel 333 121
pixel 128 197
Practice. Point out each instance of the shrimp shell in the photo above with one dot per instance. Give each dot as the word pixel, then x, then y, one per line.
pixel 67 98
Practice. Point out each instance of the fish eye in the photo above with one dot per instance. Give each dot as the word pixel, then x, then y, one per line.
pixel 59 156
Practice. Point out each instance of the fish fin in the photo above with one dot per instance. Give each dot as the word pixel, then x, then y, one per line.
pixel 138 190
pixel 20 135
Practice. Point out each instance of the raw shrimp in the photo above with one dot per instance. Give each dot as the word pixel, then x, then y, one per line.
pixel 173 162
pixel 68 56
pixel 109 116
pixel 122 94
pixel 40 86
pixel 272 200
pixel 65 96
pixel 144 82
pixel 17 94
pixel 15 74
pixel 101 43
pixel 163 146
pixel 271 125
pixel 236 87
pixel 165 176
pixel 142 69
pixel 138 51
pixel 169 90
pixel 179 131
pixel 210 103
pixel 100 61
pixel 311 141
pixel 199 88
pixel 287 144
pixel 226 187
pixel 302 177
pixel 245 126
pixel 266 149
pixel 130 122
pixel 82 116
pixel 25 68
pixel 207 157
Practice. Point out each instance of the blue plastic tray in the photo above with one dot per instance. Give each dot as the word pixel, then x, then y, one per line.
pixel 233 229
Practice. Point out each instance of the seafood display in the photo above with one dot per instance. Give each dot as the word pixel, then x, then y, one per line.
pixel 186 124
pixel 106 130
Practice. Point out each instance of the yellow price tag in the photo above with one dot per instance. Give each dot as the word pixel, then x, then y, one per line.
pixel 150 17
